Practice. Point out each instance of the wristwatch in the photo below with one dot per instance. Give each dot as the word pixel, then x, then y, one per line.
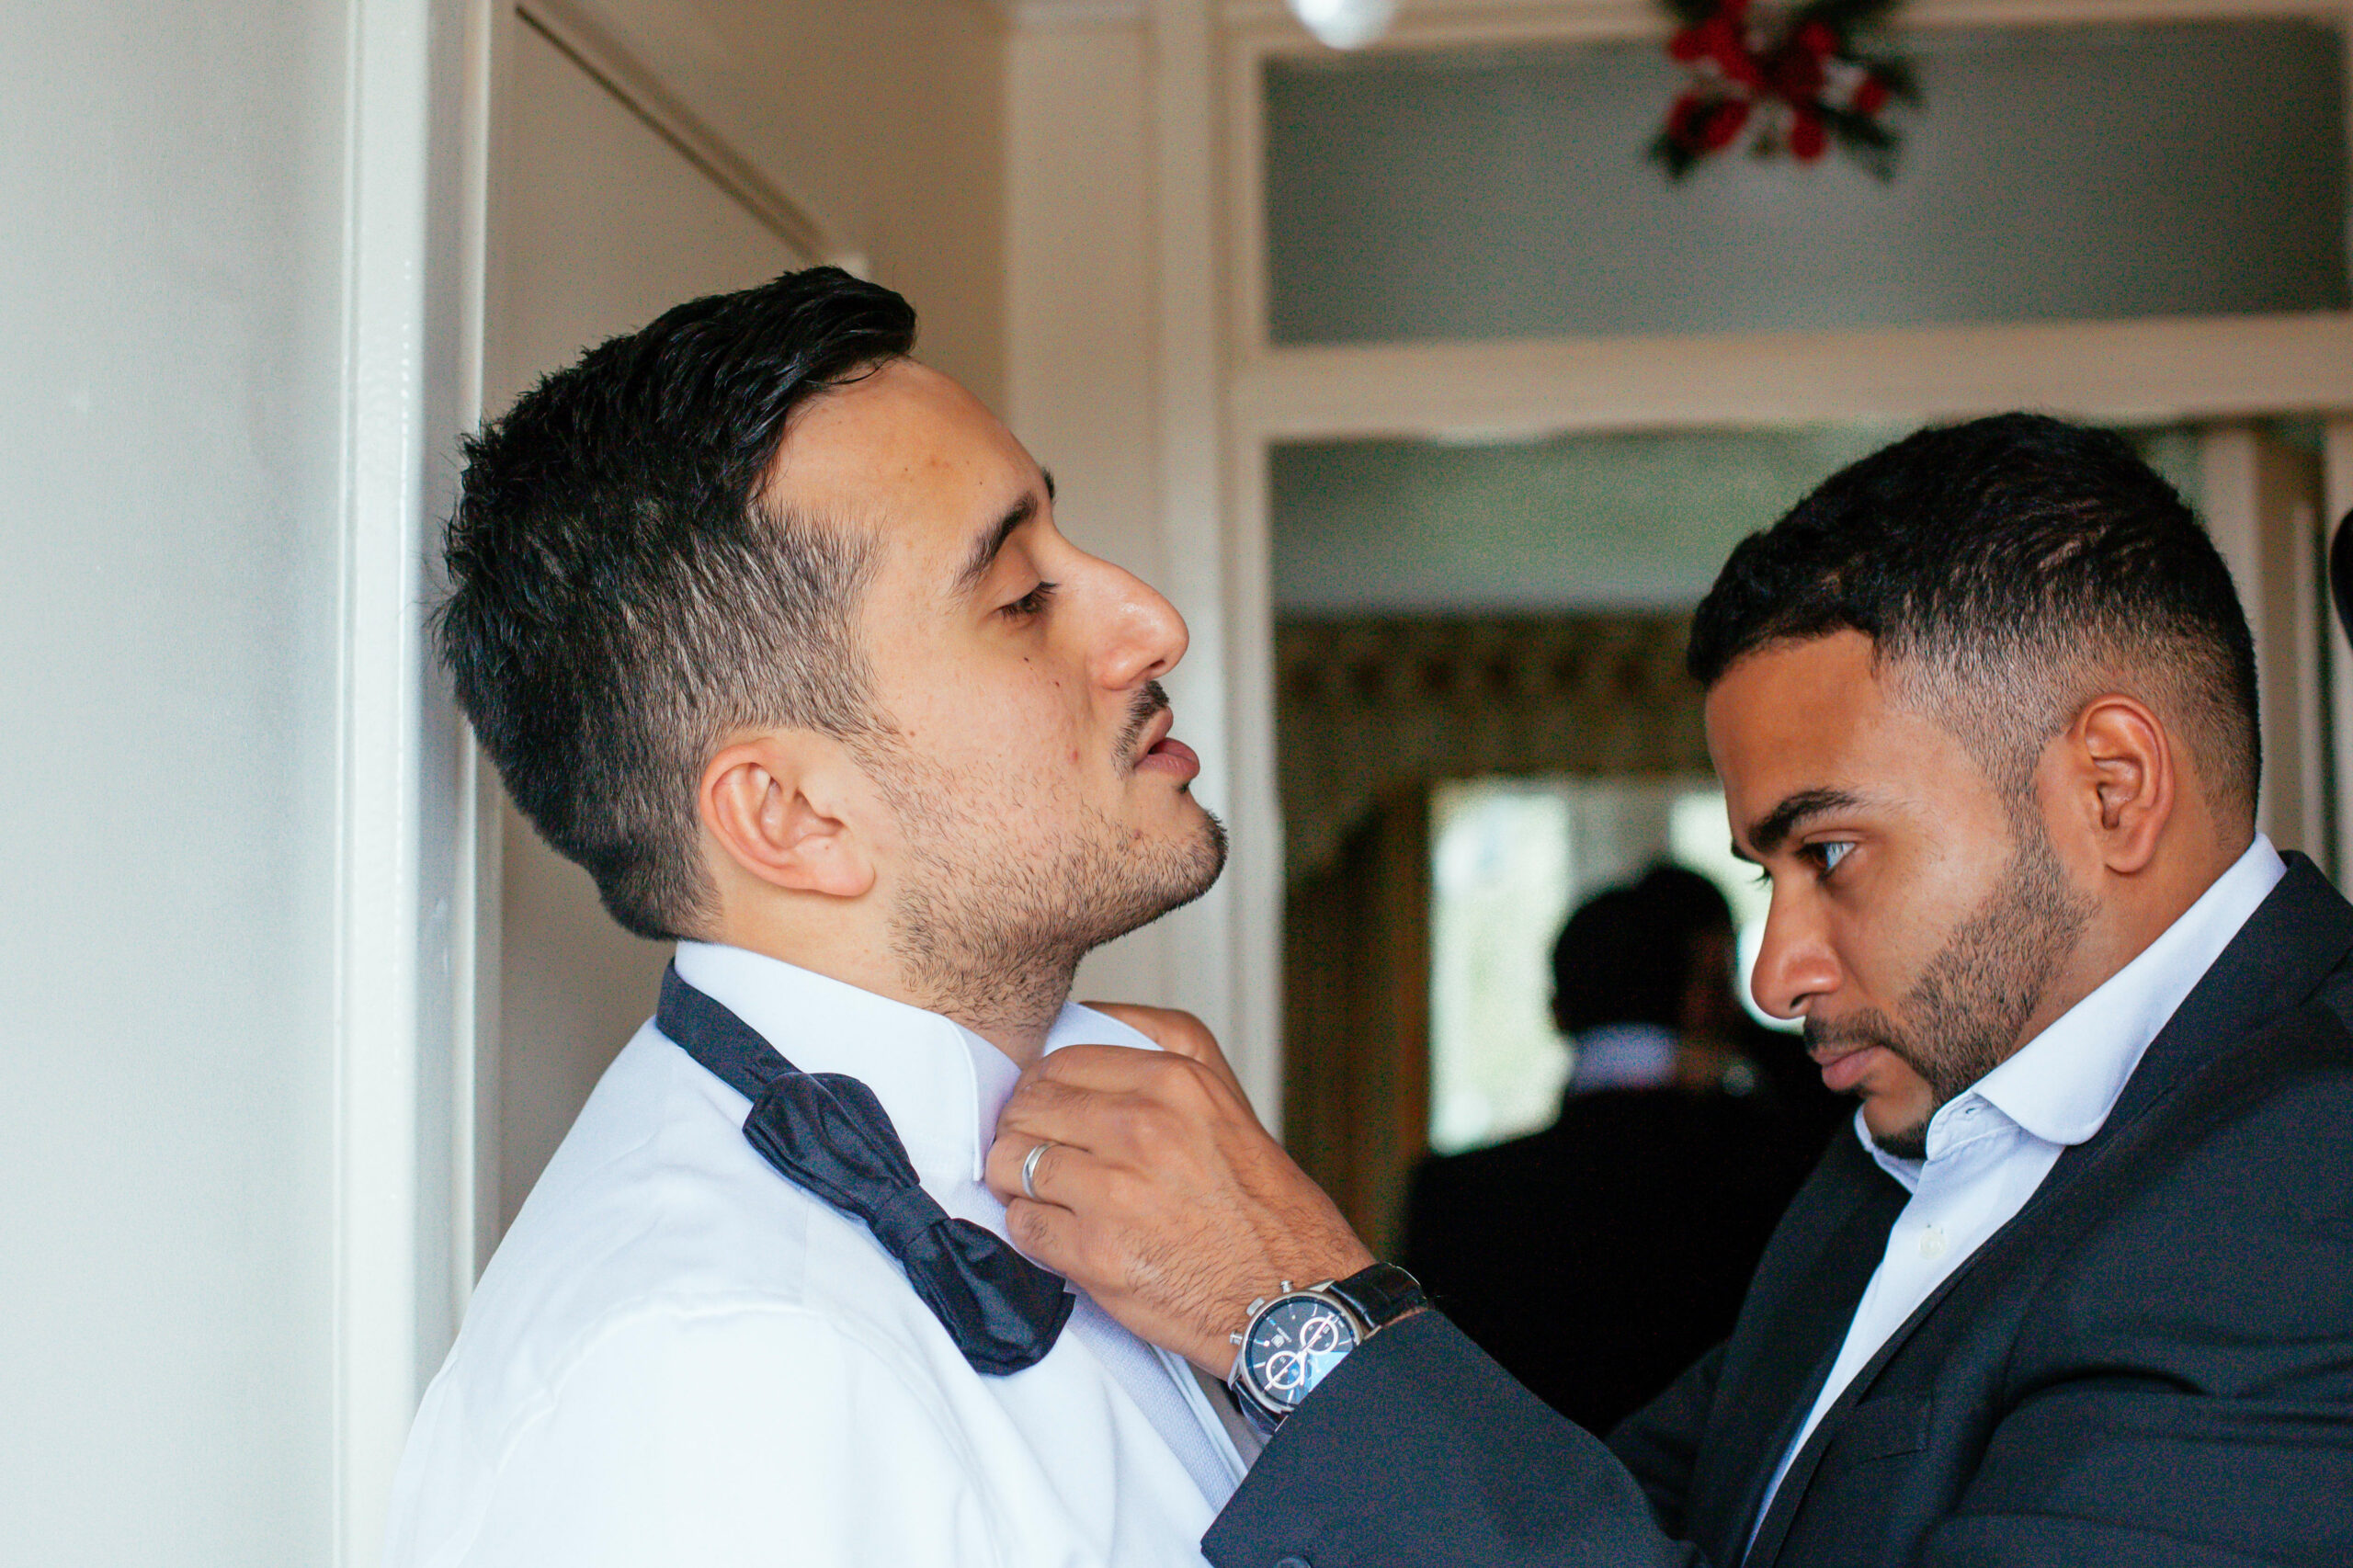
pixel 1296 1337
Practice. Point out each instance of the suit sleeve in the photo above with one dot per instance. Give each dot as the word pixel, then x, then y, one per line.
pixel 1420 1449
pixel 1659 1444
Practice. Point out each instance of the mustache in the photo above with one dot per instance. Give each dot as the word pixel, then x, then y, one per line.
pixel 1850 1034
pixel 1149 703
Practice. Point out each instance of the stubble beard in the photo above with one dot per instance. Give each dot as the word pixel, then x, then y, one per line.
pixel 1963 1016
pixel 993 938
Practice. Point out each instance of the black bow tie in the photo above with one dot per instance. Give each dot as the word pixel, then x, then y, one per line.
pixel 828 1134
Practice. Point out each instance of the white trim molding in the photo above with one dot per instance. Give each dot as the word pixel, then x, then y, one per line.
pixel 414 165
pixel 1034 15
pixel 2136 371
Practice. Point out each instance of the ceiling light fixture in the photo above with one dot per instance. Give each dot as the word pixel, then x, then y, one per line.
pixel 1346 24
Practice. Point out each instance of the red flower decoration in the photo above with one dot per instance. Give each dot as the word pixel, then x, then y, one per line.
pixel 1787 81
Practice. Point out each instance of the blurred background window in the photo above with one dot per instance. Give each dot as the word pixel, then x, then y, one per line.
pixel 1509 859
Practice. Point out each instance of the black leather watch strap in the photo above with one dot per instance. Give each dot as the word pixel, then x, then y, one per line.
pixel 1379 1295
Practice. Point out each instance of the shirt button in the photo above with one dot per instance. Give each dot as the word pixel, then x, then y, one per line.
pixel 1932 1241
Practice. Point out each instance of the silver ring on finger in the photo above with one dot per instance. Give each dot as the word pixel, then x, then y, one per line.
pixel 1029 1171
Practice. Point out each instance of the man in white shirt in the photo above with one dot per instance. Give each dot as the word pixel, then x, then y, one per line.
pixel 770 627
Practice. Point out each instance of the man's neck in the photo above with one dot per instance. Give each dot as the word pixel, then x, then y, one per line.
pixel 2129 924
pixel 1022 1039
pixel 1015 1016
pixel 1014 1011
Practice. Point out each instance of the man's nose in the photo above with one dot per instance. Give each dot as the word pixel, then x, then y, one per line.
pixel 1141 634
pixel 1794 962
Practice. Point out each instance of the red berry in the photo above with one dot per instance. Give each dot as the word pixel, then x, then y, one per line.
pixel 1723 123
pixel 1683 120
pixel 1796 75
pixel 1807 139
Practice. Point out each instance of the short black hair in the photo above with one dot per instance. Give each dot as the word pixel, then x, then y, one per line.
pixel 2010 566
pixel 1626 956
pixel 621 600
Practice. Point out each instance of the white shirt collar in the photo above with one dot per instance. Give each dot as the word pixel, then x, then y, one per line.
pixel 2060 1086
pixel 941 1084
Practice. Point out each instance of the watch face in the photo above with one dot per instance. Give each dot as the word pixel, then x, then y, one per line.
pixel 1294 1345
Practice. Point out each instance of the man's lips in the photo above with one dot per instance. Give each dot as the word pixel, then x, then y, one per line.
pixel 1843 1066
pixel 1163 752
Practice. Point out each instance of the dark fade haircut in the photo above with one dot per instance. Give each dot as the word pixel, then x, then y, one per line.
pixel 2007 571
pixel 621 599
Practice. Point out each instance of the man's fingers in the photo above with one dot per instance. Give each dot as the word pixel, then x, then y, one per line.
pixel 1044 1109
pixel 1113 1071
pixel 1062 1168
pixel 1106 1067
pixel 1174 1029
pixel 1043 1232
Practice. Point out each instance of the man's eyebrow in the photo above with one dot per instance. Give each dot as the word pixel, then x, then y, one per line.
pixel 1767 832
pixel 985 548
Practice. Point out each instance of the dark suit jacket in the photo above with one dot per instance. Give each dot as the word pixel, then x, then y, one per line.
pixel 2151 1366
pixel 1594 1260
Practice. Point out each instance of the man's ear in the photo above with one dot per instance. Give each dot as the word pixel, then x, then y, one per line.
pixel 2121 778
pixel 780 808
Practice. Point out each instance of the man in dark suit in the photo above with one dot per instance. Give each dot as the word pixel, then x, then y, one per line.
pixel 1595 1259
pixel 2080 1290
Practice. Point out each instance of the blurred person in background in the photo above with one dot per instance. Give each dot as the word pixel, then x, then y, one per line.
pixel 1598 1258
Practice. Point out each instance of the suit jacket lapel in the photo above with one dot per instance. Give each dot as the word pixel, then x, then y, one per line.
pixel 1814 1291
pixel 2296 938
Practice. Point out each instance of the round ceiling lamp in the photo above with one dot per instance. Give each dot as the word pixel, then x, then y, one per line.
pixel 1346 24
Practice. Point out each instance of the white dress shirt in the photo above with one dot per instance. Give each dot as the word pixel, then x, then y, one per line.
pixel 1990 1146
pixel 679 1360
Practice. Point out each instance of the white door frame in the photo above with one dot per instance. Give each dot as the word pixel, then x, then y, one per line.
pixel 416 155
pixel 417 899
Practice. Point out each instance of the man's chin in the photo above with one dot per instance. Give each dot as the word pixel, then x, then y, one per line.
pixel 1909 1143
pixel 1202 861
pixel 1191 867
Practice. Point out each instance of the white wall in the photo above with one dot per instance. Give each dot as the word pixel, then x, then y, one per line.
pixel 170 431
pixel 885 118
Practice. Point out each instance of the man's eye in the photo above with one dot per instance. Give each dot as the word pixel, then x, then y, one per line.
pixel 1031 603
pixel 1828 855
